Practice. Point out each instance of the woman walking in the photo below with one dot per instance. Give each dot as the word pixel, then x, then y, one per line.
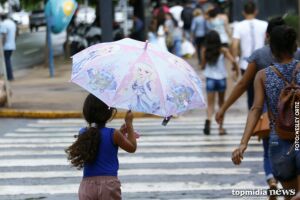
pixel 268 84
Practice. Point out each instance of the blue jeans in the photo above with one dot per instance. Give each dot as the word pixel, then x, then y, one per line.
pixel 214 85
pixel 7 57
pixel 267 162
pixel 285 160
pixel 177 47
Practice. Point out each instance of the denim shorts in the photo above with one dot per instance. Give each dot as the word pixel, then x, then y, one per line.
pixel 284 159
pixel 214 85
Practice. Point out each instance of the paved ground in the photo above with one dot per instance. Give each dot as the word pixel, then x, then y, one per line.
pixel 173 162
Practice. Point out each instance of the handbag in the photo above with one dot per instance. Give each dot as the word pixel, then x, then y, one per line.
pixel 262 128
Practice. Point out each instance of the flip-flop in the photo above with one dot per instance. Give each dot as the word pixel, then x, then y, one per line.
pixel 222 132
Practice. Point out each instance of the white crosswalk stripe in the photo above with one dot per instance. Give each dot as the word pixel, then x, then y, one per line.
pixel 173 162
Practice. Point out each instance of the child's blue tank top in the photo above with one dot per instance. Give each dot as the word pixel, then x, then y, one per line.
pixel 106 163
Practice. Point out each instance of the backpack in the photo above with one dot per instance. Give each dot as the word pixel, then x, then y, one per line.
pixel 288 106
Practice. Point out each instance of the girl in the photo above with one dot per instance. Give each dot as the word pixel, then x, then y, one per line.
pixel 213 63
pixel 96 151
pixel 284 159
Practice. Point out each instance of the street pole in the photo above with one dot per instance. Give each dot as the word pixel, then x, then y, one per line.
pixel 49 43
pixel 106 20
pixel 50 49
pixel 3 66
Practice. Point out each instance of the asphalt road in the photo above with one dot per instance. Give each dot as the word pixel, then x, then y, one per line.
pixel 31 48
pixel 173 162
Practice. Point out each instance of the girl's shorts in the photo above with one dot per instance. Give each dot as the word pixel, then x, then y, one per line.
pixel 100 187
pixel 214 85
pixel 285 161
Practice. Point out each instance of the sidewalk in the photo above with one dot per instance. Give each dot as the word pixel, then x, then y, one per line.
pixel 36 95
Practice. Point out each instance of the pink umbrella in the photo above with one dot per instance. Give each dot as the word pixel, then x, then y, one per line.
pixel 138 76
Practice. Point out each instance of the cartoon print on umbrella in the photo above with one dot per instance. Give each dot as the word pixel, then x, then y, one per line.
pixel 101 80
pixel 180 96
pixel 145 100
pixel 186 69
pixel 91 55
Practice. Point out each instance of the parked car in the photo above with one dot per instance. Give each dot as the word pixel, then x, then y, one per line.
pixel 37 18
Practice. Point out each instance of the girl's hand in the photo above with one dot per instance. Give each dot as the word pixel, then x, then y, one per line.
pixel 238 154
pixel 129 118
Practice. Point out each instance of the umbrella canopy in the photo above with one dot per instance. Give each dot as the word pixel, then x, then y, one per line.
pixel 138 76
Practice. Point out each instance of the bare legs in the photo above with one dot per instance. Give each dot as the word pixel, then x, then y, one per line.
pixel 211 110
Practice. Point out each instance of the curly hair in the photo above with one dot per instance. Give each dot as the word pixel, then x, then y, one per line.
pixel 212 47
pixel 85 148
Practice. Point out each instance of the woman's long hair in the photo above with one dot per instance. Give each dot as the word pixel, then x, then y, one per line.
pixel 212 47
pixel 85 148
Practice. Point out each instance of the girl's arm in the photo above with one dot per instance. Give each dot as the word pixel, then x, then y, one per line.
pixel 203 60
pixel 126 143
pixel 237 91
pixel 235 67
pixel 228 55
pixel 253 117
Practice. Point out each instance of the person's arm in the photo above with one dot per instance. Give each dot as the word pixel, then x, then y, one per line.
pixel 253 117
pixel 203 60
pixel 237 91
pixel 126 143
pixel 235 47
pixel 228 55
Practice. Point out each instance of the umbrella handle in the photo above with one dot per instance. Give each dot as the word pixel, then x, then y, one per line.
pixel 166 120
pixel 146 45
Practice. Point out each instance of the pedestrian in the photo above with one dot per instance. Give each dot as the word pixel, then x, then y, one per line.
pixel 173 35
pixel 268 86
pixel 160 12
pixel 137 32
pixel 152 32
pixel 96 151
pixel 8 29
pixel 198 31
pixel 176 12
pixel 218 23
pixel 260 59
pixel 213 64
pixel 187 17
pixel 248 35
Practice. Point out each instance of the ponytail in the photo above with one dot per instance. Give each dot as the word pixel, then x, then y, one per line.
pixel 85 148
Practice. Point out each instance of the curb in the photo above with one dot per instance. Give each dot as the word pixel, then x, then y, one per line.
pixel 48 114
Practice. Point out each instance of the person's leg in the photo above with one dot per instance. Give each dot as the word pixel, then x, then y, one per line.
pixel 7 56
pixel 220 102
pixel 198 49
pixel 222 85
pixel 177 47
pixel 210 111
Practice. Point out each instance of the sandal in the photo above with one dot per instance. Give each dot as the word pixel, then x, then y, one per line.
pixel 206 129
pixel 222 131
